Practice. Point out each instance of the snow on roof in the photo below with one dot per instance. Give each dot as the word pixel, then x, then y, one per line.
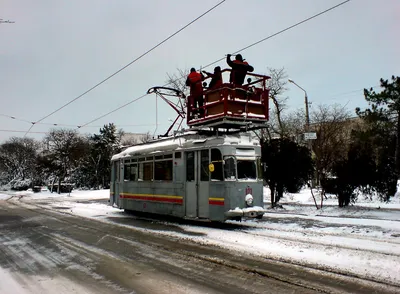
pixel 185 141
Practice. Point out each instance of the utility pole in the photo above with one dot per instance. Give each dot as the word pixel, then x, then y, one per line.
pixel 307 106
pixel 307 128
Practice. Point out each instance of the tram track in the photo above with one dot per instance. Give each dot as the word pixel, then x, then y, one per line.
pixel 234 262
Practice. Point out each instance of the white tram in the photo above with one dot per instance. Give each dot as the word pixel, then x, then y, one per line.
pixel 193 176
pixel 210 172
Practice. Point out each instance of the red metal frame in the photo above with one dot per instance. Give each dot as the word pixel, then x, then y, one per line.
pixel 241 103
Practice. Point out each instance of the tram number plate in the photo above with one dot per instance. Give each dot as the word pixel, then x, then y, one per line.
pixel 249 190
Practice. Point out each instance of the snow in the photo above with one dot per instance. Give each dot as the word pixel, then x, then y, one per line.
pixel 362 240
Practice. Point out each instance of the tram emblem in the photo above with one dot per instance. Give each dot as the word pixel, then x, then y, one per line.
pixel 249 190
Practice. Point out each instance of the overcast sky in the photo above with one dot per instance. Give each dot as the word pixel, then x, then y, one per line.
pixel 56 50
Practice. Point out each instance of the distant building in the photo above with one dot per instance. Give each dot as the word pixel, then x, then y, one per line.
pixel 129 139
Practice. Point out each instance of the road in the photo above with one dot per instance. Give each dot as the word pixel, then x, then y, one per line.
pixel 45 251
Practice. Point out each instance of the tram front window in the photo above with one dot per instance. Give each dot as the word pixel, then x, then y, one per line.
pixel 246 169
pixel 229 168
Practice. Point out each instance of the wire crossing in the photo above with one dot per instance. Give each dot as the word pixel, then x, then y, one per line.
pixel 247 47
pixel 129 64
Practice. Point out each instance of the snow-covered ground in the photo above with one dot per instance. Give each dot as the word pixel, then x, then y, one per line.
pixel 361 240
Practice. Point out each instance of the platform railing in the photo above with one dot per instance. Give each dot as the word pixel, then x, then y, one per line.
pixel 241 103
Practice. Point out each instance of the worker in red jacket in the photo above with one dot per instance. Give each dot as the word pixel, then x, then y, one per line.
pixel 194 81
pixel 216 78
pixel 239 69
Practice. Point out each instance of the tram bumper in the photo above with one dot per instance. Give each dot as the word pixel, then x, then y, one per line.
pixel 248 212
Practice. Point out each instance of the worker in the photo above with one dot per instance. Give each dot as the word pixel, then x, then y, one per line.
pixel 194 81
pixel 239 69
pixel 216 78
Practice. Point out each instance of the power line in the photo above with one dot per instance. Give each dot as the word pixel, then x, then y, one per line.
pixel 251 45
pixel 282 31
pixel 15 118
pixel 122 106
pixel 130 63
pixel 19 131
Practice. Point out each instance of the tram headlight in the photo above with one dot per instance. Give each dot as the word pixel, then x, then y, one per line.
pixel 249 200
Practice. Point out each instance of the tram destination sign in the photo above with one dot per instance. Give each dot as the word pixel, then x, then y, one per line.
pixel 310 136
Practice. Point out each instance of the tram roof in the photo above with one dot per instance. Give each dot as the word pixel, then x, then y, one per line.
pixel 188 140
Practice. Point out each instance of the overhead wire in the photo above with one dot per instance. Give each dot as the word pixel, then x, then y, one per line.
pixel 127 65
pixel 251 45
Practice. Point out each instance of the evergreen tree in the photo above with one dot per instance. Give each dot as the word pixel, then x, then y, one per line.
pixel 287 166
pixel 387 104
pixel 104 146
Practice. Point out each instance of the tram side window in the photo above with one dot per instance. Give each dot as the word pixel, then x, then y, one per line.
pixel 229 168
pixel 163 170
pixel 127 169
pixel 190 166
pixel 205 173
pixel 216 160
pixel 146 171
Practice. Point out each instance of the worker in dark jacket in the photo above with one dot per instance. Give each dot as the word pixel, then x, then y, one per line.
pixel 239 69
pixel 194 81
pixel 216 78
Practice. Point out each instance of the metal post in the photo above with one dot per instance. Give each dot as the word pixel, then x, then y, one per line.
pixel 307 128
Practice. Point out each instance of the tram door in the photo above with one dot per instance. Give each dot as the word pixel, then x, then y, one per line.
pixel 197 183
pixel 116 181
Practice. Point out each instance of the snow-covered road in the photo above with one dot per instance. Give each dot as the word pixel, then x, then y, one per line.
pixel 358 242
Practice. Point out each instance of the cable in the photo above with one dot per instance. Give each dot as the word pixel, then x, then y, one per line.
pixel 282 31
pixel 18 131
pixel 130 63
pixel 273 35
pixel 15 118
pixel 126 104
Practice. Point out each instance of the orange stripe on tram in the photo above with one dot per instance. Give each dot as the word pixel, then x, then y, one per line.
pixel 153 198
pixel 216 201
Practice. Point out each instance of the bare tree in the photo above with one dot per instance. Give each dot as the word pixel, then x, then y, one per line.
pixel 178 80
pixel 18 159
pixel 333 125
pixel 63 150
pixel 277 86
pixel 146 138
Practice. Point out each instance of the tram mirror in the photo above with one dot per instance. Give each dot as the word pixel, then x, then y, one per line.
pixel 204 84
pixel 211 167
pixel 248 80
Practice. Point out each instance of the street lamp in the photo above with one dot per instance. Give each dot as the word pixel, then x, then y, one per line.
pixel 306 102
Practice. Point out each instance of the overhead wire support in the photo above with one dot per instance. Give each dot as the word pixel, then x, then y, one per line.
pixel 130 63
pixel 282 31
pixel 251 45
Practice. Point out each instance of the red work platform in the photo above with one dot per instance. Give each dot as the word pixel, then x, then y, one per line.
pixel 232 106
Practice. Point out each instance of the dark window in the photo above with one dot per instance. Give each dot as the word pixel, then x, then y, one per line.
pixel 167 156
pixel 178 154
pixel 133 172
pixel 158 157
pixel 216 160
pixel 127 170
pixel 259 168
pixel 229 168
pixel 190 166
pixel 247 169
pixel 145 171
pixel 204 173
pixel 163 170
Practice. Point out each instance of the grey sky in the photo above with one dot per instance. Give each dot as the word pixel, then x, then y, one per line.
pixel 56 50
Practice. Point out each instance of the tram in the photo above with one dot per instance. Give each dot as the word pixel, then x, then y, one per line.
pixel 211 171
